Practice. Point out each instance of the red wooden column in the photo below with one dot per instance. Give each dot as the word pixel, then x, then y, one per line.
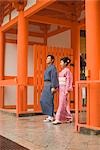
pixel 22 62
pixel 2 46
pixel 93 59
pixel 75 45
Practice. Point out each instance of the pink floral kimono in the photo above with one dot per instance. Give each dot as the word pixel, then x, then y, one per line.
pixel 65 85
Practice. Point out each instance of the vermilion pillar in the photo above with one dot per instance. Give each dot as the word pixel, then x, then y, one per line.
pixel 75 45
pixel 22 62
pixel 93 59
pixel 2 45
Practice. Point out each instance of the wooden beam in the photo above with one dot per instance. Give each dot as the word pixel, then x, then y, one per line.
pixel 19 4
pixel 57 31
pixel 82 23
pixel 8 25
pixel 61 8
pixel 29 43
pixel 14 106
pixel 7 0
pixel 30 80
pixel 34 34
pixel 35 43
pixel 49 20
pixel 11 41
pixel 37 7
pixel 35 23
pixel 12 31
pixel 9 77
pixel 8 82
pixel 53 13
pixel 10 107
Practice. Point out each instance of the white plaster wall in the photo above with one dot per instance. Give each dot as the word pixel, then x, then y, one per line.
pixel 30 95
pixel 60 40
pixel 5 20
pixel 10 59
pixel 10 95
pixel 14 13
pixel 30 61
pixel 30 90
pixel 30 3
pixel 10 70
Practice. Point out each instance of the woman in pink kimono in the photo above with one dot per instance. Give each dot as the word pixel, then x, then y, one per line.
pixel 65 86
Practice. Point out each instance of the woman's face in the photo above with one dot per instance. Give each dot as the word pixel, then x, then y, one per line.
pixel 62 64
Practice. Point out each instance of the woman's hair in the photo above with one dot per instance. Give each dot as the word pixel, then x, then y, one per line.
pixel 66 60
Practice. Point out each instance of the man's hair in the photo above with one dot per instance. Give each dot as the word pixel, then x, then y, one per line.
pixel 52 57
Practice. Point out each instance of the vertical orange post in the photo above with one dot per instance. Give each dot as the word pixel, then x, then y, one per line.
pixel 2 45
pixel 93 59
pixel 75 45
pixel 22 62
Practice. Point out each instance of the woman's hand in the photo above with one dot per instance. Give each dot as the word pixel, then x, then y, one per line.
pixel 67 93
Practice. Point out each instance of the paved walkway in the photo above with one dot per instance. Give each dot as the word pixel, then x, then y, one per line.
pixel 34 134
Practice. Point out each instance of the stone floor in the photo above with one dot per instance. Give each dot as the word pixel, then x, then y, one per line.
pixel 34 134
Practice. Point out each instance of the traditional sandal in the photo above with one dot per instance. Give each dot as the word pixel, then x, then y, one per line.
pixel 69 120
pixel 56 122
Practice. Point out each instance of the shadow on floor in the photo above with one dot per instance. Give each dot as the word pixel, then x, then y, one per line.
pixel 6 144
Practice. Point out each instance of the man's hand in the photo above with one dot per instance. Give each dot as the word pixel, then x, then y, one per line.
pixel 53 90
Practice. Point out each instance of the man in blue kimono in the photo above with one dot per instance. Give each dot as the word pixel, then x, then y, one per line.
pixel 50 85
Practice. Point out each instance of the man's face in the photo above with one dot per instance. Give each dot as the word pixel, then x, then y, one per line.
pixel 49 60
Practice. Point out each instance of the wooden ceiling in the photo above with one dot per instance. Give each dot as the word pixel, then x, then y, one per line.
pixel 6 6
pixel 64 9
pixel 61 9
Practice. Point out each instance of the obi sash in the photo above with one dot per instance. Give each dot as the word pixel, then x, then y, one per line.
pixel 62 80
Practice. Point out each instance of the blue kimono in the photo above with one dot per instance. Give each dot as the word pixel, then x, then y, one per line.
pixel 47 98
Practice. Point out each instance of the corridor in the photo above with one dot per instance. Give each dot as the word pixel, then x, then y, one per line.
pixel 34 134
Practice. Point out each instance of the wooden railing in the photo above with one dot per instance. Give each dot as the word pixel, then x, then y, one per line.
pixel 85 93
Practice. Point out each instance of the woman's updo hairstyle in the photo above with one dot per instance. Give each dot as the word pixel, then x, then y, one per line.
pixel 66 60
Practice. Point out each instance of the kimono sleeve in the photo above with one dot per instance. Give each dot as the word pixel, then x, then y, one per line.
pixel 54 78
pixel 69 81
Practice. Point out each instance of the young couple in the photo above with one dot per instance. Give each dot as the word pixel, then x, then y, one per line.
pixel 51 83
